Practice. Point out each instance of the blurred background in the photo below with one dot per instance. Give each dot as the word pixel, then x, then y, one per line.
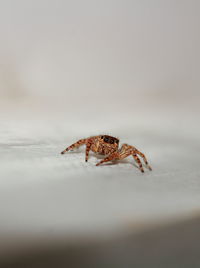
pixel 72 69
pixel 109 55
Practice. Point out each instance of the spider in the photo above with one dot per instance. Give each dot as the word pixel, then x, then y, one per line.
pixel 109 146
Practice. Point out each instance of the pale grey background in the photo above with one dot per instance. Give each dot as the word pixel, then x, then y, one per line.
pixel 71 69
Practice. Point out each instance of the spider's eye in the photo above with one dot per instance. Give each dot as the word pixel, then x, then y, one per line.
pixel 106 139
pixel 102 137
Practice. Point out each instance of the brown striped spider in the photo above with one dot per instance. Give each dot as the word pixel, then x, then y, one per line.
pixel 109 146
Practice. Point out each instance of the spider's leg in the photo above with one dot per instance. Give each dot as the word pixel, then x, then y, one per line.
pixel 144 158
pixel 88 146
pixel 130 150
pixel 110 157
pixel 74 145
pixel 138 161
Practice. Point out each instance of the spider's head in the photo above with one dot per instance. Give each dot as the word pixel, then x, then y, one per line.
pixel 110 140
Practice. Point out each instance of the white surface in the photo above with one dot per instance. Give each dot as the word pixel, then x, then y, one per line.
pixel 44 192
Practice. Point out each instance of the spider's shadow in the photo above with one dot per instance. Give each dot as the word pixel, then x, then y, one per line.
pixel 75 152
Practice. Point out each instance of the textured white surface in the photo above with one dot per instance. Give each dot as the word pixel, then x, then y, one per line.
pixel 45 193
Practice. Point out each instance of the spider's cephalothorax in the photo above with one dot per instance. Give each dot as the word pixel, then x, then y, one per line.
pixel 109 146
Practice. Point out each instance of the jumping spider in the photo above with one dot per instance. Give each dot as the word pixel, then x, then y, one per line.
pixel 109 146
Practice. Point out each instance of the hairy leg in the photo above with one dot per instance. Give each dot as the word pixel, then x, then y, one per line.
pixel 108 158
pixel 88 146
pixel 138 161
pixel 75 145
pixel 144 158
pixel 115 156
pixel 130 150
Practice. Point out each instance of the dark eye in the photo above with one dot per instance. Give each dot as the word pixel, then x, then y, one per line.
pixel 106 139
pixel 111 141
pixel 102 137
